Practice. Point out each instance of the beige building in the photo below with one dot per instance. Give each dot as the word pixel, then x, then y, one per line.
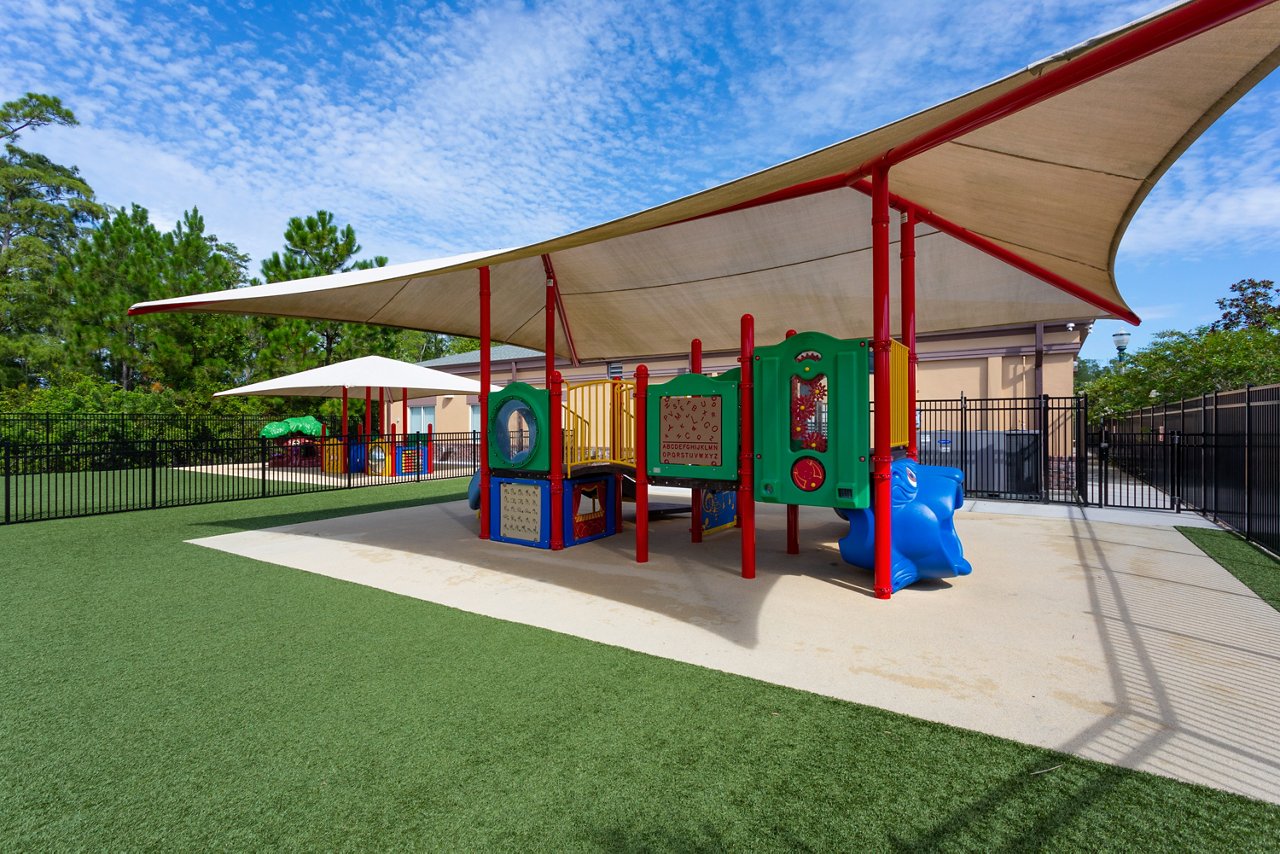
pixel 998 362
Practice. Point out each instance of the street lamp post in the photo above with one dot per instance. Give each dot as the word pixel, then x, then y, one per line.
pixel 1121 340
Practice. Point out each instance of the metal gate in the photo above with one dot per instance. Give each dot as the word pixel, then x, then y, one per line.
pixel 1135 469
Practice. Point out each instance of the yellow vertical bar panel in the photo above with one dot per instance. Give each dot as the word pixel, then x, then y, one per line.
pixel 899 423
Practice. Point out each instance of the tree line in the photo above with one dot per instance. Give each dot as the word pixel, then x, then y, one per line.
pixel 70 267
pixel 1241 347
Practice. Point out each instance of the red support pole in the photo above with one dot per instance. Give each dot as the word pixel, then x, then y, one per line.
pixel 555 437
pixel 746 456
pixel 430 465
pixel 642 475
pixel 907 243
pixel 550 316
pixel 344 413
pixel 883 456
pixel 404 409
pixel 486 343
pixel 793 512
pixel 368 411
pixel 695 500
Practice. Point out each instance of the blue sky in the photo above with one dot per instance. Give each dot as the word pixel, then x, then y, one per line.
pixel 438 128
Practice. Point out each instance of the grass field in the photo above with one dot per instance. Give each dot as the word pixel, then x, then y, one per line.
pixel 1259 571
pixel 155 694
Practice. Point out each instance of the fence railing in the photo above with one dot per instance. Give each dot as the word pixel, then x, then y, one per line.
pixel 82 478
pixel 1022 448
pixel 1218 454
pixel 54 428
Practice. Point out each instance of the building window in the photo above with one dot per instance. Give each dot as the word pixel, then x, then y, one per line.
pixel 475 417
pixel 421 417
pixel 614 370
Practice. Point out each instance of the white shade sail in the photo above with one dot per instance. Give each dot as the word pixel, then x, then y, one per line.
pixel 375 372
pixel 1025 187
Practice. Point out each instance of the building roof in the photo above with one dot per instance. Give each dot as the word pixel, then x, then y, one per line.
pixel 1023 190
pixel 501 353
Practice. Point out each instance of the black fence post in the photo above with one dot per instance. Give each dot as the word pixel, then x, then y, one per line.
pixel 1082 448
pixel 8 472
pixel 1175 448
pixel 263 461
pixel 1214 456
pixel 1248 461
pixel 155 462
pixel 1044 449
pixel 1104 456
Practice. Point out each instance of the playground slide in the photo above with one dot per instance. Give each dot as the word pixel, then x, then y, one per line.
pixel 925 543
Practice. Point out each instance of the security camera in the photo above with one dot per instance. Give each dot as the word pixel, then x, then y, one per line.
pixel 1071 327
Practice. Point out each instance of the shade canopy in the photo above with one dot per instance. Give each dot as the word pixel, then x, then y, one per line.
pixel 1024 189
pixel 398 379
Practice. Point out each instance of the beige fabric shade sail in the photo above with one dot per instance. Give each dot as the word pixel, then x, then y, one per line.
pixel 1025 188
pixel 398 379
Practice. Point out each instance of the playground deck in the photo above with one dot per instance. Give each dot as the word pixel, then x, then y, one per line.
pixel 1109 637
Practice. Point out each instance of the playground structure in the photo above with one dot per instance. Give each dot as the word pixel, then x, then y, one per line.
pixel 1022 191
pixel 791 425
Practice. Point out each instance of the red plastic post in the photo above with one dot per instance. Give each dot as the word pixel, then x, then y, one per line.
pixel 486 342
pixel 642 476
pixel 746 456
pixel 907 244
pixel 695 500
pixel 430 456
pixel 555 437
pixel 883 456
pixel 793 512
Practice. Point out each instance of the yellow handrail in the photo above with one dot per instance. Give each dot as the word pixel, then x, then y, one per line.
pixel 600 423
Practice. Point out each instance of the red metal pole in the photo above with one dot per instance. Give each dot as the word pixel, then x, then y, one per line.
pixel 344 414
pixel 550 316
pixel 793 512
pixel 907 243
pixel 642 475
pixel 746 456
pixel 1014 260
pixel 1156 35
pixel 368 411
pixel 430 464
pixel 382 411
pixel 883 456
pixel 695 501
pixel 556 433
pixel 486 343
pixel 404 409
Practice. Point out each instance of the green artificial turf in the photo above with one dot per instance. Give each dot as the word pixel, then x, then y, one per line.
pixel 156 694
pixel 1259 571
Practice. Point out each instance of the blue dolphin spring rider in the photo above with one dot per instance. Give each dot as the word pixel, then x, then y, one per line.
pixel 925 542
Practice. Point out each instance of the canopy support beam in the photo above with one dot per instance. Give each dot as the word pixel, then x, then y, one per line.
pixel 554 284
pixel 1140 42
pixel 1013 259
pixel 486 343
pixel 883 453
pixel 907 249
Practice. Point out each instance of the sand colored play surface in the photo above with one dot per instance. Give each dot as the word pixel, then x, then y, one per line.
pixel 1117 642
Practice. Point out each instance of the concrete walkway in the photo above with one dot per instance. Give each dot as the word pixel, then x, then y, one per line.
pixel 1079 631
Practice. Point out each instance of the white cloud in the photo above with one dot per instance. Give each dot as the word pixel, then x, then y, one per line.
pixel 435 129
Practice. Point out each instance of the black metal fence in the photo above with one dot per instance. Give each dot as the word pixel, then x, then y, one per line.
pixel 1024 448
pixel 1218 454
pixel 82 478
pixel 27 428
